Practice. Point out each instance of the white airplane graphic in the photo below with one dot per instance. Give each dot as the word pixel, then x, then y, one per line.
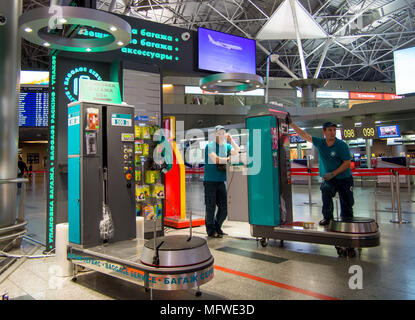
pixel 224 45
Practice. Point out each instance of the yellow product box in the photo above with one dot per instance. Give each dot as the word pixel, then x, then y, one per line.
pixel 137 131
pixel 138 175
pixel 157 191
pixel 138 149
pixel 150 177
pixel 148 212
pixel 145 133
pixel 145 149
pixel 146 191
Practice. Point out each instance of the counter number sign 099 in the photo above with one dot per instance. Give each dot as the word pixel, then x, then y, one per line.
pixel 368 132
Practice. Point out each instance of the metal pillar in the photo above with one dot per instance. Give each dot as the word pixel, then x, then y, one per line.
pixel 308 88
pixel 267 80
pixel 9 94
pixel 299 153
pixel 369 153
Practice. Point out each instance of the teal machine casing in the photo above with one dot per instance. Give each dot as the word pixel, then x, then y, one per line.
pixel 100 136
pixel 269 180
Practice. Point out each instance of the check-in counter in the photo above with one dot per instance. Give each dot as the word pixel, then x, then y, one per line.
pixel 390 162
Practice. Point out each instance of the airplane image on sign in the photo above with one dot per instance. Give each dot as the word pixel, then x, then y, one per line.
pixel 223 45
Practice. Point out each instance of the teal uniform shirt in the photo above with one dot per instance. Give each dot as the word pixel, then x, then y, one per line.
pixel 211 172
pixel 330 158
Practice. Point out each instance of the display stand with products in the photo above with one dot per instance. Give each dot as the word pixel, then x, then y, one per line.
pixel 149 180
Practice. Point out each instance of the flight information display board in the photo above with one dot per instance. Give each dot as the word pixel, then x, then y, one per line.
pixel 33 107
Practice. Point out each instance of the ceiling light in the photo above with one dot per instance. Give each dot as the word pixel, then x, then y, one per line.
pixel 88 49
pixel 33 25
pixel 235 82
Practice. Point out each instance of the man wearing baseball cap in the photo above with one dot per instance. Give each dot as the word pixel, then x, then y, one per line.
pixel 217 154
pixel 334 166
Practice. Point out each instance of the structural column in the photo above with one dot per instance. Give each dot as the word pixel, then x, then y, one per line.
pixel 10 11
pixel 369 153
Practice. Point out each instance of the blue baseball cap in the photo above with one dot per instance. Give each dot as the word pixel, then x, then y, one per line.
pixel 329 124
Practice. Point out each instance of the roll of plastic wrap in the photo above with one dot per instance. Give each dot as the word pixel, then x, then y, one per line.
pixel 139 221
pixel 62 238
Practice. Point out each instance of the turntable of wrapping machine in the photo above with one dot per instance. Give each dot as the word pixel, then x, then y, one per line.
pixel 344 234
pixel 183 264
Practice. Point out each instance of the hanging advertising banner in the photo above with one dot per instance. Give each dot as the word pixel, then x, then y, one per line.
pixel 365 96
pixel 171 48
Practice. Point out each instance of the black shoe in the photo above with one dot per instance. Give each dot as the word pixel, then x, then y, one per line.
pixel 214 235
pixel 324 222
pixel 221 233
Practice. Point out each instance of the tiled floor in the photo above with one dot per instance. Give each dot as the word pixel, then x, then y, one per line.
pixel 244 269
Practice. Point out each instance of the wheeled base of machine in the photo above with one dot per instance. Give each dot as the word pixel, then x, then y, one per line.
pixel 349 235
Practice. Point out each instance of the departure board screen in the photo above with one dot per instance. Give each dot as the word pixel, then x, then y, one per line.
pixel 33 107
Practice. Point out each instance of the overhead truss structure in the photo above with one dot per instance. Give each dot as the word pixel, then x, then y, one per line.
pixel 361 34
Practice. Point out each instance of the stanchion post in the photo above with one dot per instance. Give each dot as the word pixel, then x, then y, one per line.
pixel 398 196
pixel 398 200
pixel 392 192
pixel 310 201
pixel 408 178
pixel 376 209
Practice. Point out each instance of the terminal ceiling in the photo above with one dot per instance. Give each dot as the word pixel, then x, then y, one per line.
pixel 360 35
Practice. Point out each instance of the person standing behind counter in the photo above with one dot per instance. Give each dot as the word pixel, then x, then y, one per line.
pixel 334 166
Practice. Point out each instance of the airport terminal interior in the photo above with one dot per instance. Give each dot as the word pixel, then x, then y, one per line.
pixel 110 184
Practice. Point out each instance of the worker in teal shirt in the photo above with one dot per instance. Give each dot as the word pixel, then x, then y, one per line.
pixel 217 154
pixel 334 166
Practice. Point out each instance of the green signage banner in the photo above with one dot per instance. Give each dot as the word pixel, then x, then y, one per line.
pixel 99 91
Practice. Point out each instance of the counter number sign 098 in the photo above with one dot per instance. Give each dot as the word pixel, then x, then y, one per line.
pixel 349 133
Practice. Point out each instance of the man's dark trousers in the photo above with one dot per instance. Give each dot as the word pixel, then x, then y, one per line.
pixel 215 195
pixel 345 189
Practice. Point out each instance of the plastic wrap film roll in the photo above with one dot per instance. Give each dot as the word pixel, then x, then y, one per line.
pixel 106 226
pixel 62 238
pixel 139 221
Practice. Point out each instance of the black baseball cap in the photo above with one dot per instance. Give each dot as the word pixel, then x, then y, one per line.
pixel 329 124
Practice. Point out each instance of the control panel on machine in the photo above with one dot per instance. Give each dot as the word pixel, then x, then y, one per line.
pixel 128 157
